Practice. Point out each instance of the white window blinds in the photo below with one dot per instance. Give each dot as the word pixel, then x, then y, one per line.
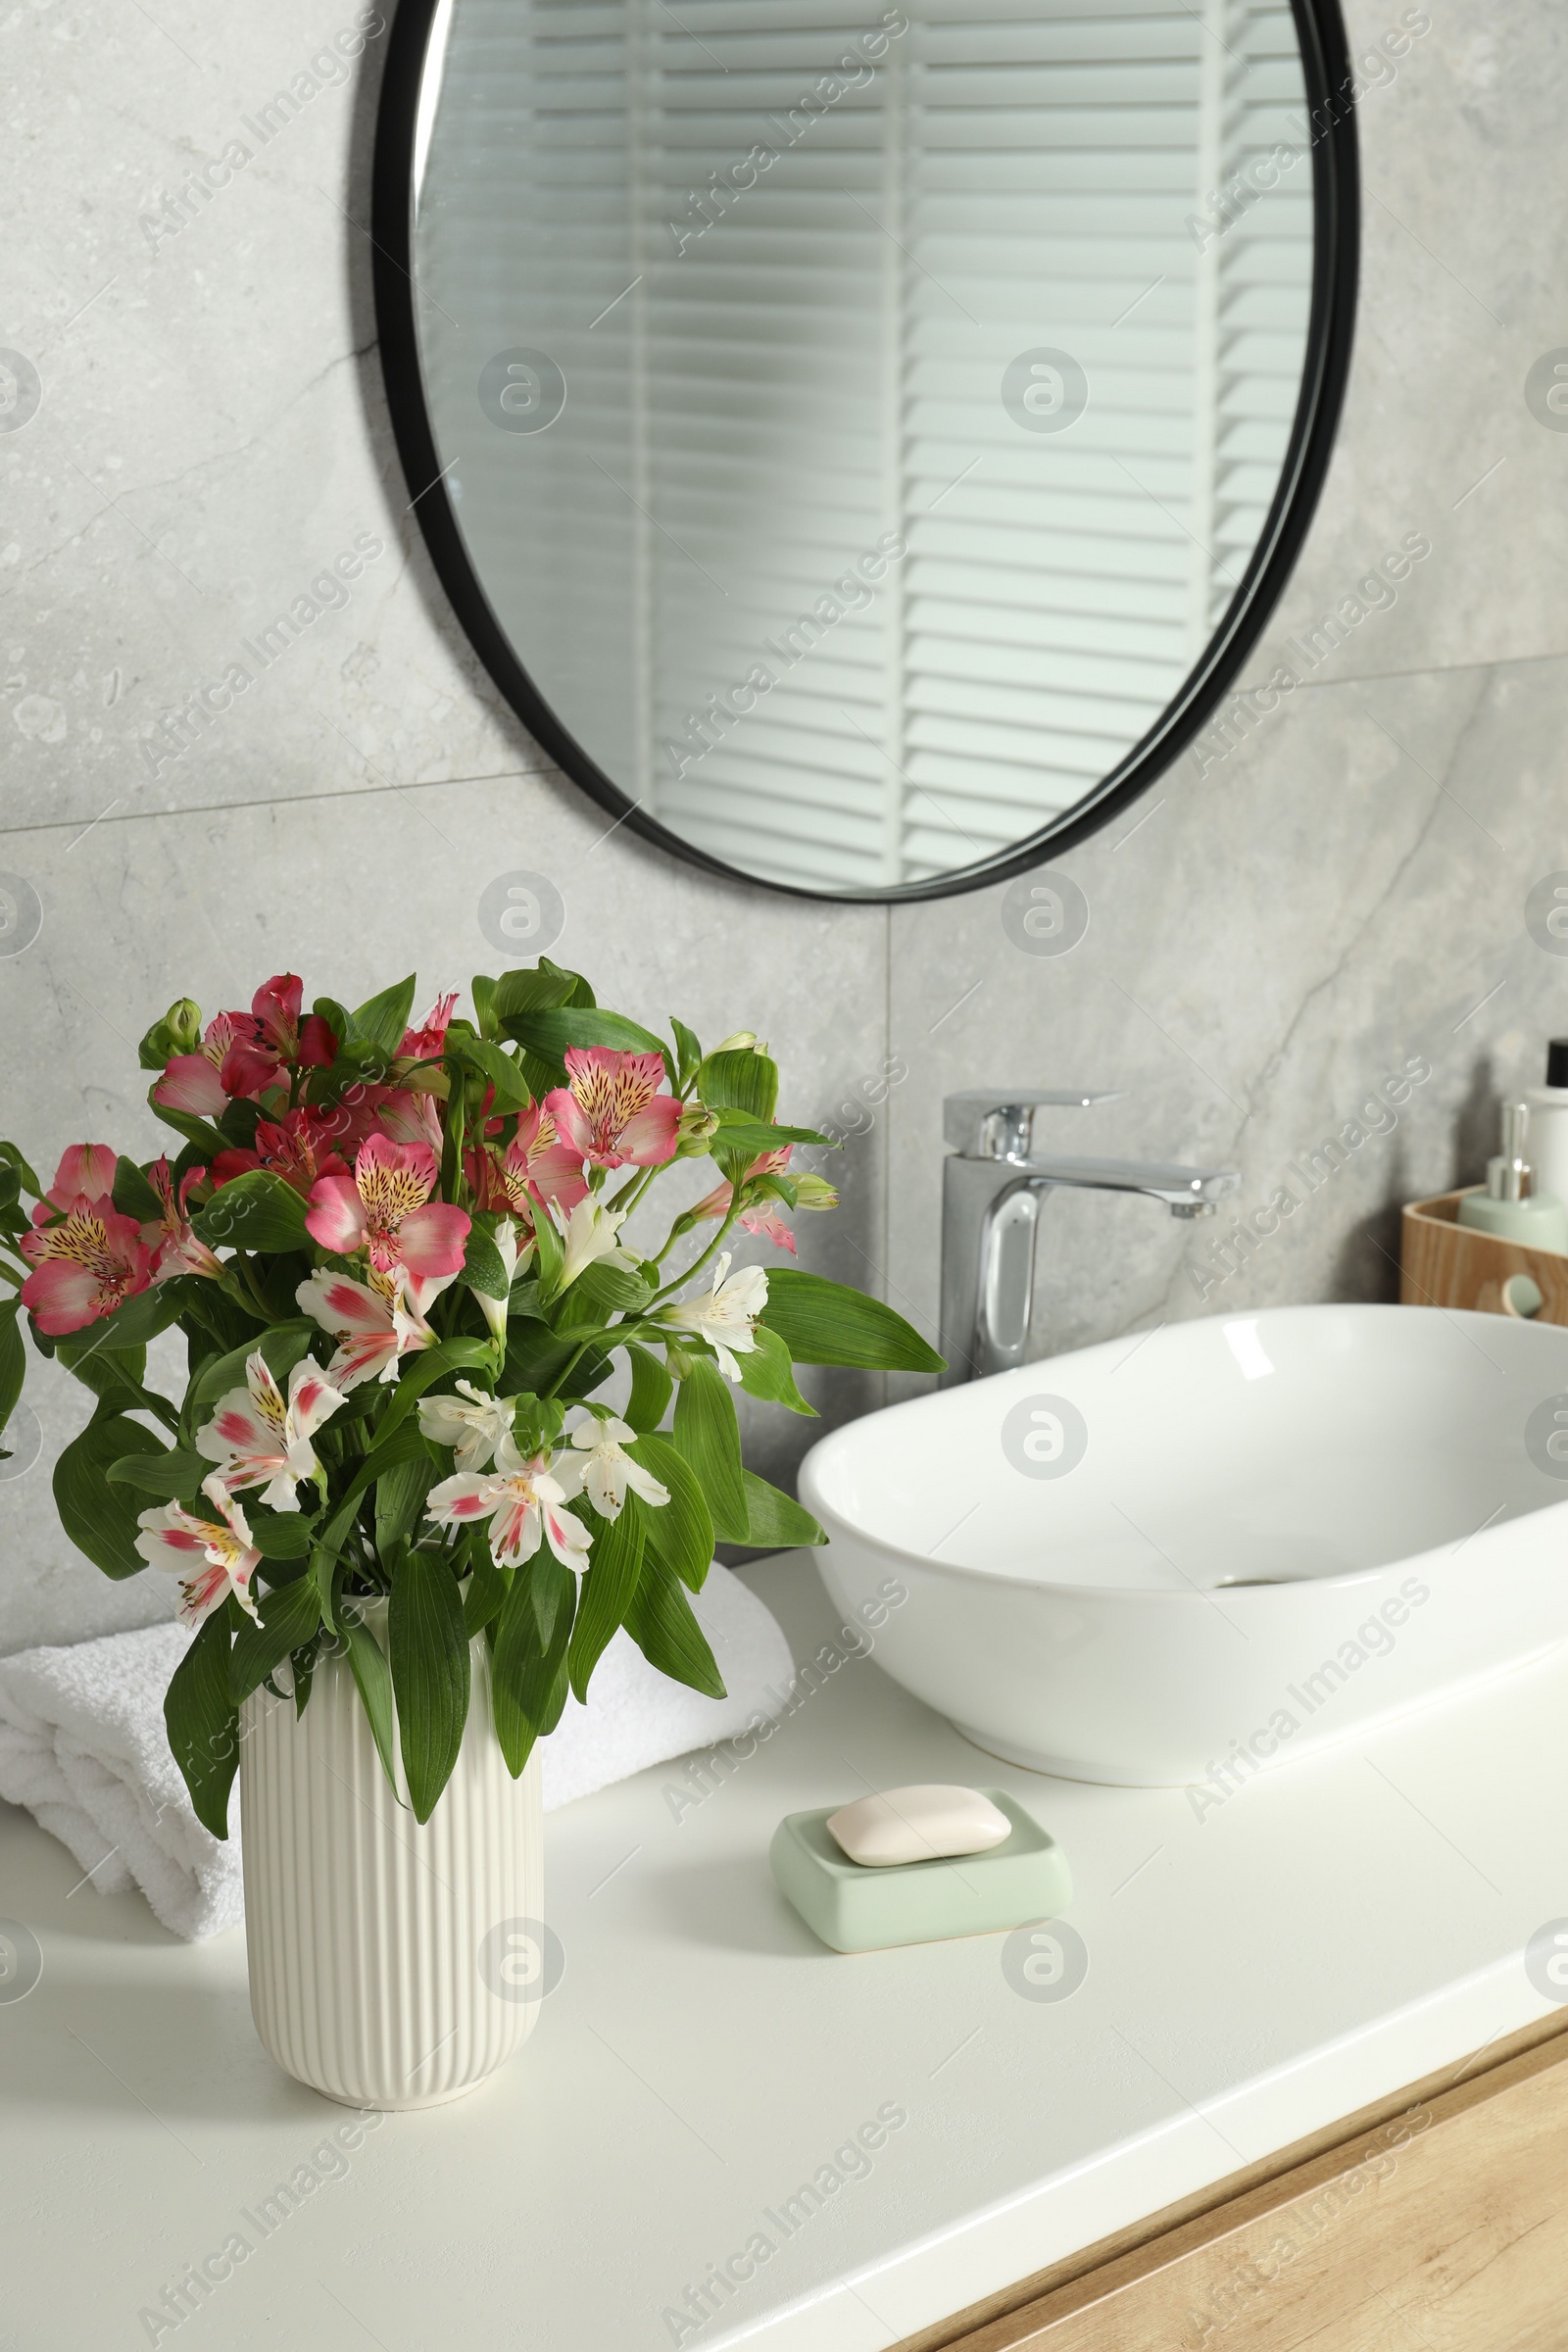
pixel 787 564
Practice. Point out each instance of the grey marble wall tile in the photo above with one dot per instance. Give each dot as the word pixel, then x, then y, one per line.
pixel 1343 897
pixel 211 436
pixel 349 892
pixel 1465 209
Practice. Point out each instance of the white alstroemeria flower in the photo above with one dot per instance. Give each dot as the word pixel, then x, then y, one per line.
pixel 524 1510
pixel 476 1431
pixel 588 1233
pixel 493 1311
pixel 598 1468
pixel 723 1316
pixel 219 1551
pixel 260 1438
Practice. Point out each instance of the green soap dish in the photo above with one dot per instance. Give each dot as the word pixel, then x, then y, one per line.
pixel 857 1909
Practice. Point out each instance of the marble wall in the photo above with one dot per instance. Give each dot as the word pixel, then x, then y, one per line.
pixel 1272 933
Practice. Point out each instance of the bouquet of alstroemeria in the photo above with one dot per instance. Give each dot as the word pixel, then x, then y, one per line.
pixel 395 1255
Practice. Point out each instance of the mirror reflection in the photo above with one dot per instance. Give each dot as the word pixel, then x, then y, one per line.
pixel 858 421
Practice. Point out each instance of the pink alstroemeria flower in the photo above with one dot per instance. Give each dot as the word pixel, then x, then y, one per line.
pixel 762 1217
pixel 174 1246
pixel 85 1264
pixel 299 1146
pixel 613 1112
pixel 170 1534
pixel 523 1509
pixel 260 1438
pixel 404 1114
pixel 376 1322
pixel 424 1041
pixel 85 1171
pixel 190 1081
pixel 385 1209
pixel 535 1167
pixel 271 1036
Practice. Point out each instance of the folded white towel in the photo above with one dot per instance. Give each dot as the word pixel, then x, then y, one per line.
pixel 82 1746
pixel 636 1717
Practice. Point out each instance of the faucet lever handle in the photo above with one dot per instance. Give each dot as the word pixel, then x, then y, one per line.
pixel 997 1122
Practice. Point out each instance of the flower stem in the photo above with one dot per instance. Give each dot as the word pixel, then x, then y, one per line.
pixel 697 1262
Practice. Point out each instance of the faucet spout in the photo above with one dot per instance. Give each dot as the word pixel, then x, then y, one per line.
pixel 992 1195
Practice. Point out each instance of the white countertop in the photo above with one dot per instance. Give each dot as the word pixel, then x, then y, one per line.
pixel 1329 1933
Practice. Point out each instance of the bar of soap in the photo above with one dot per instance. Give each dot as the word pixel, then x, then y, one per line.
pixel 1023 1880
pixel 927 1823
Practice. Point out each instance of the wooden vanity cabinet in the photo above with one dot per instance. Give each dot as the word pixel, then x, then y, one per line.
pixel 1435 2217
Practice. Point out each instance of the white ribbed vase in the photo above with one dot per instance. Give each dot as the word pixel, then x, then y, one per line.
pixel 391 1965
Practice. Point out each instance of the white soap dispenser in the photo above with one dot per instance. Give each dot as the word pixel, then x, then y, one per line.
pixel 1507 1207
pixel 1549 1123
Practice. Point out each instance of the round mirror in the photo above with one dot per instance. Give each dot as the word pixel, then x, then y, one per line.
pixel 864 444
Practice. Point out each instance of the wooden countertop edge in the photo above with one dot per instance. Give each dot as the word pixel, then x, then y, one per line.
pixel 1013 2318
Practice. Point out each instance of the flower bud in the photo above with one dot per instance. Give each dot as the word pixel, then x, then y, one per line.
pixel 695 1132
pixel 184 1023
pixel 738 1043
pixel 815 1192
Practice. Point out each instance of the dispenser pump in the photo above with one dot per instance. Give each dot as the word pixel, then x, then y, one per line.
pixel 1508 1174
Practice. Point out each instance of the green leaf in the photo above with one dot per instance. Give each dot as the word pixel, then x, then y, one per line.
pixel 688 1052
pixel 659 1621
pixel 483 993
pixel 373 1680
pixel 536 1355
pixel 13 1363
pixel 777 1522
pixel 494 1063
pixel 550 1257
pixel 113 1374
pixel 650 1385
pixel 100 1519
pixel 196 1131
pixel 528 1680
pixel 740 1080
pixel 133 1195
pixel 488 1586
pixel 140 1319
pixel 708 1435
pixel 404 1445
pixel 766 1371
pixel 281 1534
pixel 430 1667
pixel 527 991
pixel 605 1289
pixel 12 1158
pixel 743 1139
pixel 382 1019
pixel 614 1567
pixel 681 1529
pixel 551 1034
pixel 289 1616
pixel 203 1722
pixel 824 1322
pixel 337 1018
pixel 483 1266
pixel 400 1495
pixel 177 1474
pixel 257 1212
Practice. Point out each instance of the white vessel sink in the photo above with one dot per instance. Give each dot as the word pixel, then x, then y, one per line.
pixel 1259 1534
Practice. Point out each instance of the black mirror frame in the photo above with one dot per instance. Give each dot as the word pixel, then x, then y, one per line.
pixel 1336 207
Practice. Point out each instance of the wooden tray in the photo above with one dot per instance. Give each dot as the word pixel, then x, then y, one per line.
pixel 1443 1263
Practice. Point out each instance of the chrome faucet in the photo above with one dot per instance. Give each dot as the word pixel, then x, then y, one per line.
pixel 992 1183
